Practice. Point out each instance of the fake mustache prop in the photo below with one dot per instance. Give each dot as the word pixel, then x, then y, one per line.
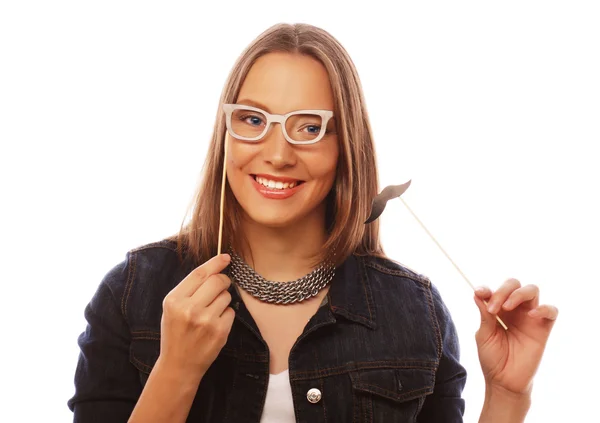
pixel 380 201
pixel 377 207
pixel 394 191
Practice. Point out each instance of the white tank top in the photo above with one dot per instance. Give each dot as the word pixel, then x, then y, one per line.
pixel 279 406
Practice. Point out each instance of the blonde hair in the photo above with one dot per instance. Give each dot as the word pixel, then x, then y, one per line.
pixel 356 184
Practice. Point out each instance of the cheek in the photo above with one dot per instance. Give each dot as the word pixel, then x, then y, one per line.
pixel 239 154
pixel 323 163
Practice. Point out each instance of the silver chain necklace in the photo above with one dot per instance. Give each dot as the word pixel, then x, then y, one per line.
pixel 280 292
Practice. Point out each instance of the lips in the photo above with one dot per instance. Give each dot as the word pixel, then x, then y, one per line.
pixel 276 187
pixel 274 183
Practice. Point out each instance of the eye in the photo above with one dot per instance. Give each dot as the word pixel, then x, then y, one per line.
pixel 253 120
pixel 313 129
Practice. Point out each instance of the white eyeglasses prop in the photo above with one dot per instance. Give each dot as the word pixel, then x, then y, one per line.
pixel 251 124
pixel 393 191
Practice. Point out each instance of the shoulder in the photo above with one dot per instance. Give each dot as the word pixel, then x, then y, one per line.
pixel 164 244
pixel 155 255
pixel 156 266
pixel 399 284
pixel 390 271
pixel 146 275
pixel 143 257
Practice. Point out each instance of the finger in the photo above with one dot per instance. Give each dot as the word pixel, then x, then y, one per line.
pixel 488 321
pixel 188 286
pixel 483 292
pixel 210 290
pixel 544 312
pixel 226 321
pixel 227 317
pixel 528 293
pixel 218 306
pixel 500 296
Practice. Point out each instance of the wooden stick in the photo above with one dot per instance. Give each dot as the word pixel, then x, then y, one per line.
pixel 223 181
pixel 447 256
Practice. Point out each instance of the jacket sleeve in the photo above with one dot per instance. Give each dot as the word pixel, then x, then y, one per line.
pixel 445 404
pixel 107 385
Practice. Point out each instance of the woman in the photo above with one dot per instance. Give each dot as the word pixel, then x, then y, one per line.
pixel 348 335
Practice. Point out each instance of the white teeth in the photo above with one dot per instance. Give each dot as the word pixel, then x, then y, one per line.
pixel 275 184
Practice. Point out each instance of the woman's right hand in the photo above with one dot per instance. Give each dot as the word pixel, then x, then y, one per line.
pixel 197 319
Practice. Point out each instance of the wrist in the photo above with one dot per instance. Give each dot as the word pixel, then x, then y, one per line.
pixel 502 405
pixel 500 394
pixel 173 371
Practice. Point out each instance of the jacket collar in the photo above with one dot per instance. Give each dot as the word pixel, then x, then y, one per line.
pixel 350 294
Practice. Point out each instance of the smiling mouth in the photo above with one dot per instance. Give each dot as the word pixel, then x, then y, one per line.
pixel 277 184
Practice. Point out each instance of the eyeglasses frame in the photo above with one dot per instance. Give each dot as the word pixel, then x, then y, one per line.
pixel 228 109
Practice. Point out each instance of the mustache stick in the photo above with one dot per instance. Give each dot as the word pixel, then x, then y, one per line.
pixel 223 181
pixel 394 191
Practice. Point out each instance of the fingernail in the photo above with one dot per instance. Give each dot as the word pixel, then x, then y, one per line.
pixel 508 304
pixel 492 308
pixel 534 312
pixel 226 257
pixel 480 290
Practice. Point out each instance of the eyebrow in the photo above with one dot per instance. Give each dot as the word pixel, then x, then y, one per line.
pixel 249 102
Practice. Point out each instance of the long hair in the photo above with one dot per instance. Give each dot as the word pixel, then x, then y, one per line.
pixel 356 183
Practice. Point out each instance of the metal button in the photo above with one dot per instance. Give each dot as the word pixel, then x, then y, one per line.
pixel 313 396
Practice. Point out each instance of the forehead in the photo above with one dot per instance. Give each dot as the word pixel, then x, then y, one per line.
pixel 285 82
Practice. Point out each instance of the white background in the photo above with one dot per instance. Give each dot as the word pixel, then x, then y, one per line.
pixel 492 109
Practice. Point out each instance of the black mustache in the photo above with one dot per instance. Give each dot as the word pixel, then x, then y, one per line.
pixel 380 201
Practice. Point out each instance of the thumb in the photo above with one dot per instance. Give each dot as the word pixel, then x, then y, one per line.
pixel 488 322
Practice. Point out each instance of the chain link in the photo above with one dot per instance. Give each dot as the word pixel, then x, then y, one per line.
pixel 280 292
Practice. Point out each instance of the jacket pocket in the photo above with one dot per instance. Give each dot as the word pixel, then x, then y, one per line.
pixel 144 352
pixel 382 395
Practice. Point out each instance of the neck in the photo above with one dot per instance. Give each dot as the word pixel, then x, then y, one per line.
pixel 283 253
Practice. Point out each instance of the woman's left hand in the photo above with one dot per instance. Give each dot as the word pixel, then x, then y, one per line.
pixel 510 358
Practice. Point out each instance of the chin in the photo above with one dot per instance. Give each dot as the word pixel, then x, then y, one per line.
pixel 274 218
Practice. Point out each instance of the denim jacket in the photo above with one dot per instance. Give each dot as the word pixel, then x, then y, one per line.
pixel 383 349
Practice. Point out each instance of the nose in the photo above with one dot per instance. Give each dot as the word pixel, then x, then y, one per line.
pixel 276 150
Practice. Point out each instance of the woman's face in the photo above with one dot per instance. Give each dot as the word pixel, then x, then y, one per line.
pixel 280 83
